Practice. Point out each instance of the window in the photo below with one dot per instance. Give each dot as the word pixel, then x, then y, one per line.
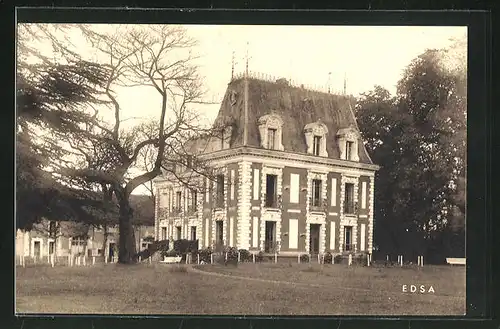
pixel 315 134
pixel 179 232
pixel 193 233
pixel 271 139
pixel 77 241
pixel 219 201
pixel 348 238
pixel 349 198
pixel 178 196
pixel 194 200
pixel 163 233
pixel 189 161
pixel 270 131
pixel 219 233
pixel 316 193
pixel 271 191
pixel 316 145
pixel 349 150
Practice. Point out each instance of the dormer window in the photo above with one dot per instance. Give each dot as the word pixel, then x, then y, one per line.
pixel 271 138
pixel 348 150
pixel 270 129
pixel 348 144
pixel 315 134
pixel 317 145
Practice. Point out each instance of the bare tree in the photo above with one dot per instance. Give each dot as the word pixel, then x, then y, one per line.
pixel 159 57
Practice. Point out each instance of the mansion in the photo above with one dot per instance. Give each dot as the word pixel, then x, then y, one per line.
pixel 290 175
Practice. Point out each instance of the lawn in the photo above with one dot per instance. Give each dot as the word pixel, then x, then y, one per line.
pixel 252 289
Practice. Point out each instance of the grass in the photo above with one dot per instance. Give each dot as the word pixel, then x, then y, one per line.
pixel 245 289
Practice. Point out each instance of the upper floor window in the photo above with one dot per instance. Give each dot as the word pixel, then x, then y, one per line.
pixel 219 201
pixel 349 199
pixel 271 138
pixel 270 129
pixel 193 200
pixel 271 200
pixel 349 150
pixel 316 138
pixel 317 145
pixel 178 196
pixel 348 144
pixel 316 193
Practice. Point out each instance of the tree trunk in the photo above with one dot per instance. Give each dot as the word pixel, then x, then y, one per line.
pixel 105 241
pixel 126 242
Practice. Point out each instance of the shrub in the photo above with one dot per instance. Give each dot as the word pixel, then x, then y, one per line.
pixel 259 257
pixel 232 254
pixel 184 246
pixel 337 259
pixel 245 256
pixel 304 258
pixel 169 253
pixel 328 258
pixel 205 255
pixel 360 259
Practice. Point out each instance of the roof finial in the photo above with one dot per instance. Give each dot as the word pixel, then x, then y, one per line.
pixel 246 60
pixel 232 66
pixel 329 77
pixel 345 83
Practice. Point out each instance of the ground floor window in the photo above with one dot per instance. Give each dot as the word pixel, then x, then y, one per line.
pixel 193 233
pixel 219 233
pixel 348 238
pixel 179 232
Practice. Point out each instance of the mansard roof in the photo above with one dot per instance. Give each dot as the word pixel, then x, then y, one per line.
pixel 296 106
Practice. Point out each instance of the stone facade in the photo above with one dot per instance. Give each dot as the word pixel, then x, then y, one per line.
pixel 316 148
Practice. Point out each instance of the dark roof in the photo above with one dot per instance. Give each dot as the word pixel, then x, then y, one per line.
pixel 297 107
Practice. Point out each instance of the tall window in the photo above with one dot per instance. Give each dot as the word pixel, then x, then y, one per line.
pixel 189 161
pixel 163 233
pixel 348 238
pixel 179 231
pixel 193 233
pixel 178 196
pixel 349 198
pixel 194 200
pixel 219 202
pixel 271 191
pixel 316 145
pixel 316 193
pixel 271 139
pixel 348 150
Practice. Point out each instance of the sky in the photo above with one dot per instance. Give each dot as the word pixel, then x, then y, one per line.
pixel 320 56
pixel 365 56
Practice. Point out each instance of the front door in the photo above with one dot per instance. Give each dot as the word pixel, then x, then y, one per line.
pixel 51 247
pixel 36 249
pixel 112 247
pixel 219 234
pixel 269 237
pixel 314 238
